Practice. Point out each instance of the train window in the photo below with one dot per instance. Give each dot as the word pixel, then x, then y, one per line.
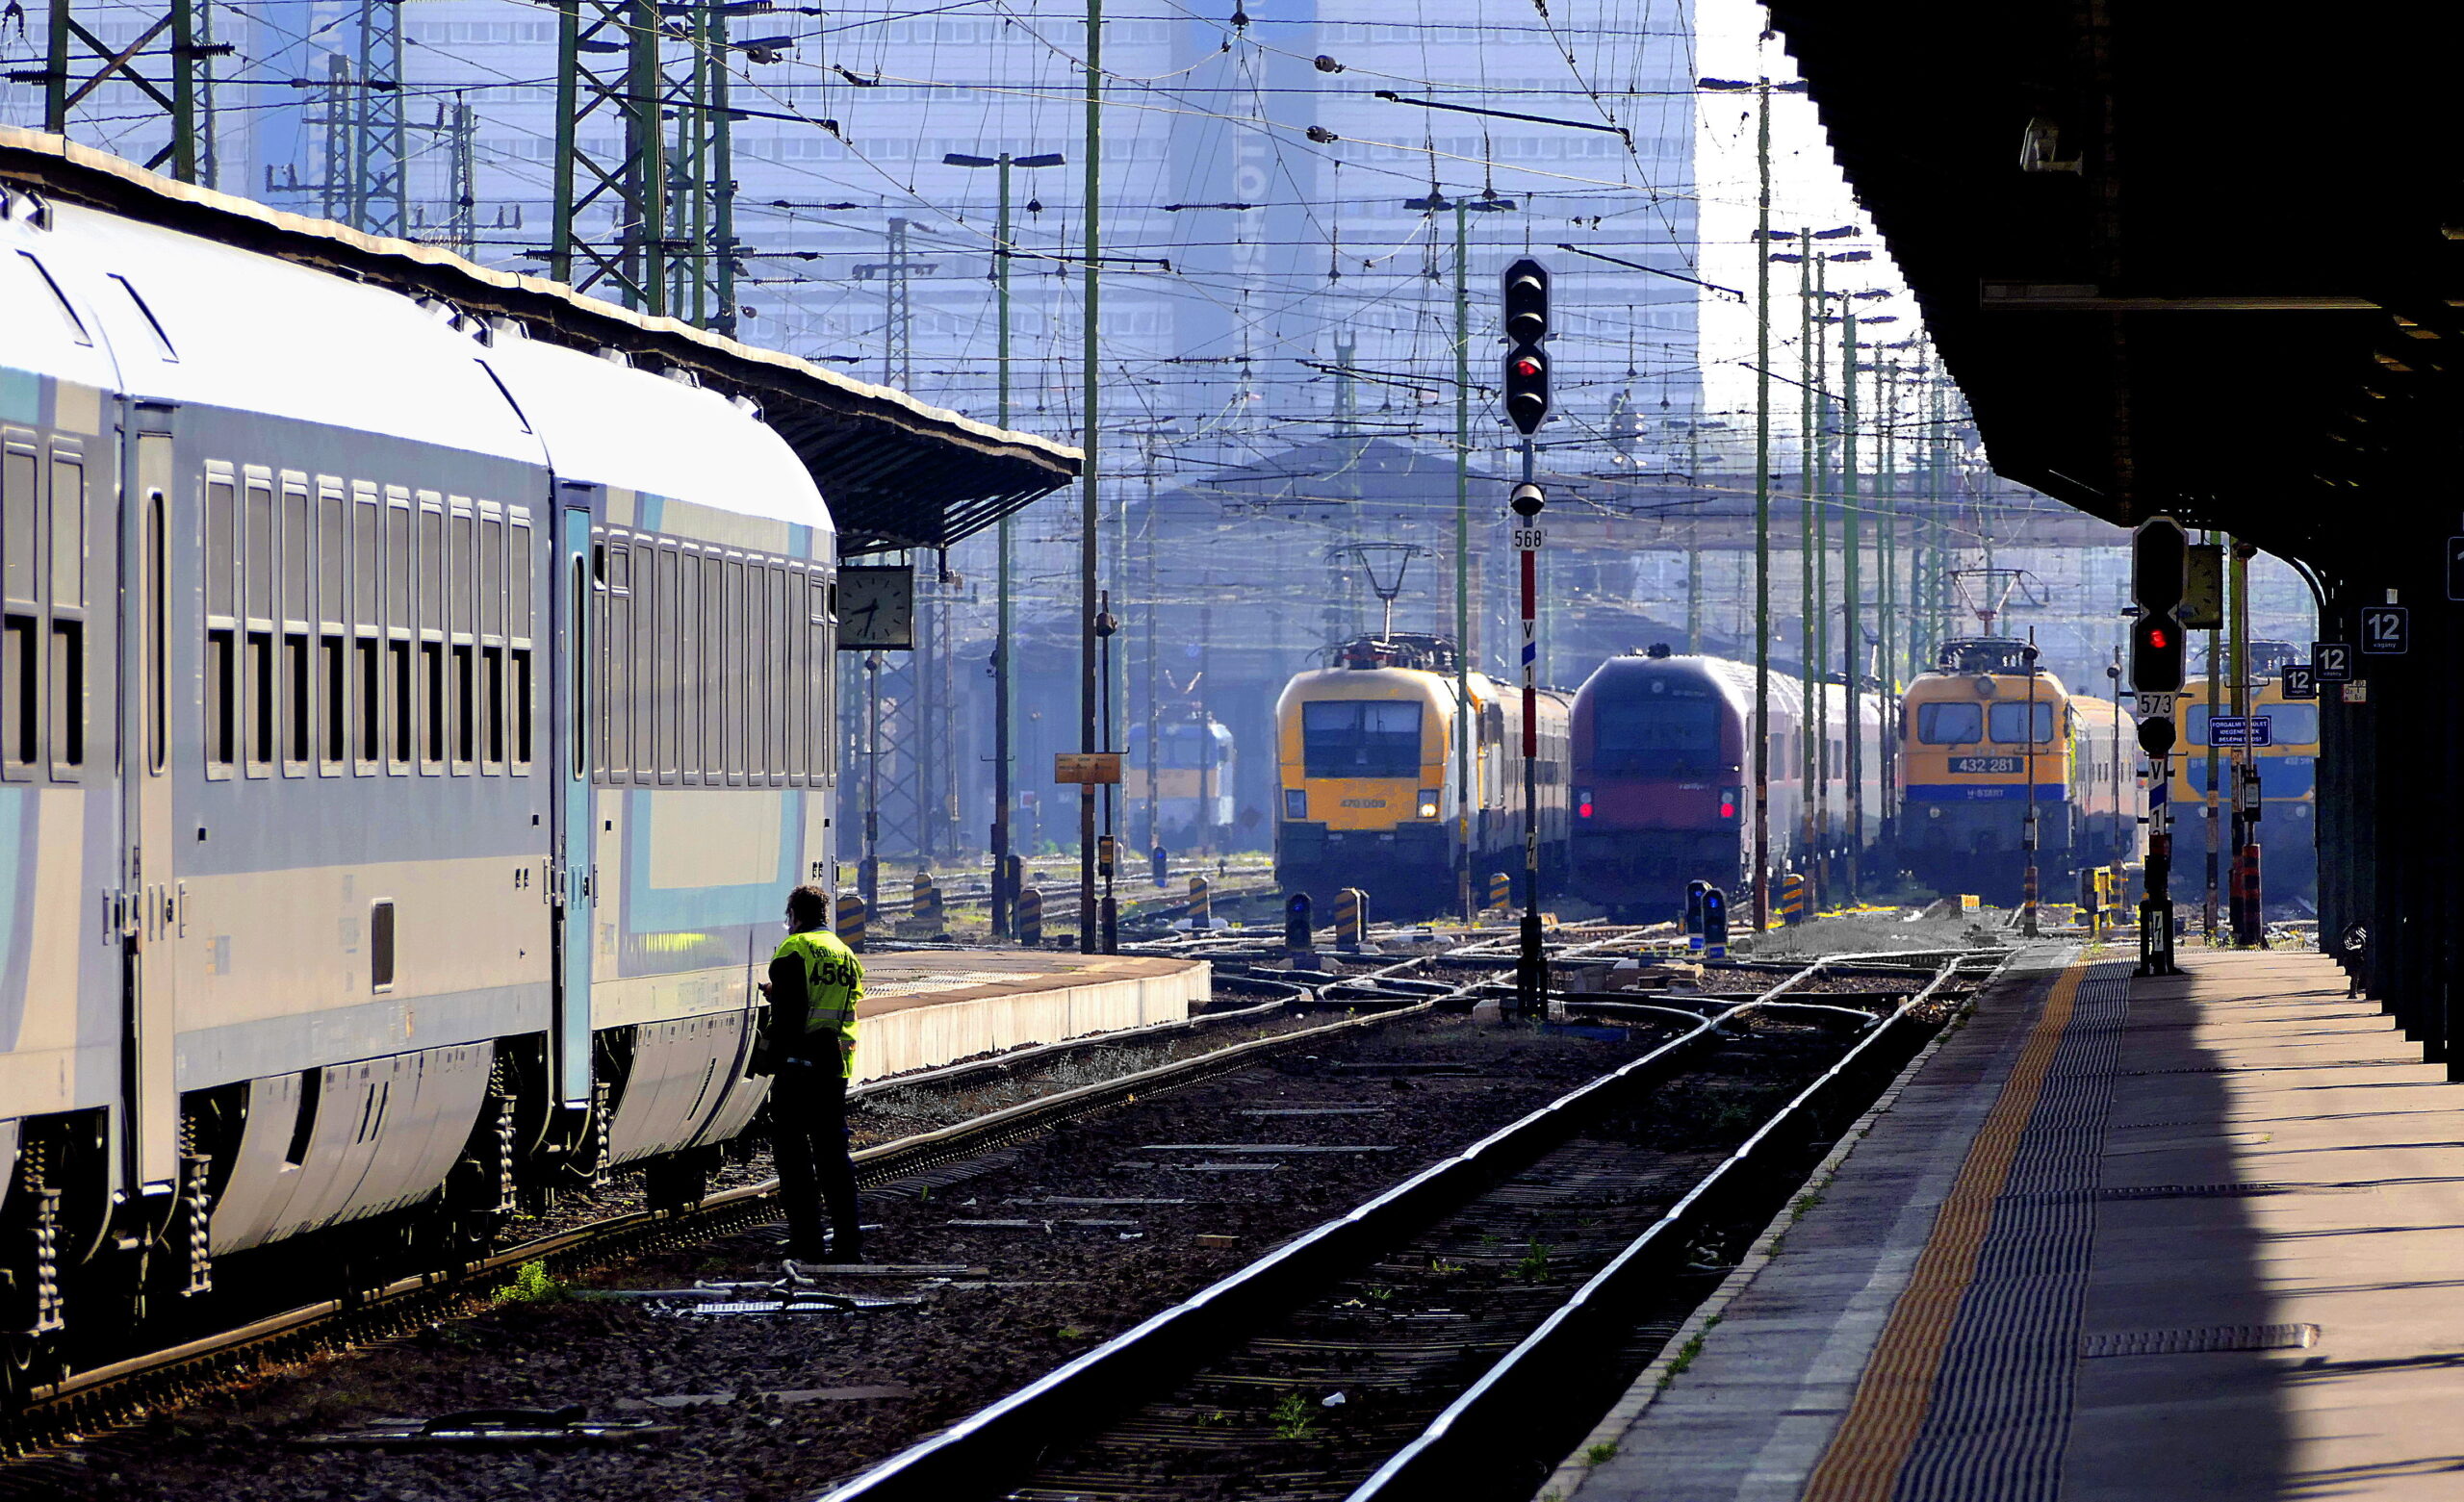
pixel 432 705
pixel 221 555
pixel 295 605
pixel 644 648
pixel 431 589
pixel 380 946
pixel 372 702
pixel 491 575
pixel 329 552
pixel 518 565
pixel 364 521
pixel 398 655
pixel 20 680
pixel 465 707
pixel 2008 724
pixel 798 642
pixel 296 681
pixel 691 681
pixel 1664 735
pixel 333 679
pixel 397 558
pixel 715 670
pixel 1360 738
pixel 458 560
pixel 670 629
pixel 68 531
pixel 492 707
pixel 153 325
pixel 2292 724
pixel 221 720
pixel 1950 723
pixel 256 546
pixel 756 675
pixel 522 709
pixel 731 714
pixel 616 693
pixel 782 697
pixel 20 495
pixel 68 697
pixel 257 665
pixel 75 325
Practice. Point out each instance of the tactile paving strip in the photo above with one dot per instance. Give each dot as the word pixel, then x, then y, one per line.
pixel 2001 1404
pixel 2201 1338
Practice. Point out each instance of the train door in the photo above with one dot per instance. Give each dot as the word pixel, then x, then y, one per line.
pixel 153 912
pixel 575 890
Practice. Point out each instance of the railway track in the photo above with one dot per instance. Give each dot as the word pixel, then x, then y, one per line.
pixel 105 1395
pixel 1430 1342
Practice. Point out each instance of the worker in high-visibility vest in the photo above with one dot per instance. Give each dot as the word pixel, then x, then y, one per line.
pixel 807 1044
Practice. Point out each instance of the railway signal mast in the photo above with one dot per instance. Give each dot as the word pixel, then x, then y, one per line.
pixel 2159 569
pixel 1526 406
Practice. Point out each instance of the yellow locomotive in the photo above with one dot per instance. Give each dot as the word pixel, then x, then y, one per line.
pixel 1975 733
pixel 1371 792
pixel 2288 781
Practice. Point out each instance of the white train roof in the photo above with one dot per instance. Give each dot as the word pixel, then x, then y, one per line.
pixel 609 424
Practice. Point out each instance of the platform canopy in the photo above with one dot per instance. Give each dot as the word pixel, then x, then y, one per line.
pixel 897 473
pixel 2185 259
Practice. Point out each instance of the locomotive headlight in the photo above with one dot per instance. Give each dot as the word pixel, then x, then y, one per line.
pixel 1583 803
pixel 1296 803
pixel 1428 802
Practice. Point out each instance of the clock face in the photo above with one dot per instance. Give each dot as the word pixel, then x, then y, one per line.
pixel 877 608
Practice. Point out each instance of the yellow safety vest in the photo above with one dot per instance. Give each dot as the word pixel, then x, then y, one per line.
pixel 834 983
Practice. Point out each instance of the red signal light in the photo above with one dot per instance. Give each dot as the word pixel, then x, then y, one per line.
pixel 1527 367
pixel 2159 638
pixel 1583 813
pixel 1727 810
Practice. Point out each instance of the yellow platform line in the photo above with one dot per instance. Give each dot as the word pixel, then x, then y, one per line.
pixel 1863 1462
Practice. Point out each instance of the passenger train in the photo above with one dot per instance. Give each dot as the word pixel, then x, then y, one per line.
pixel 408 731
pixel 1192 780
pixel 2288 785
pixel 1371 794
pixel 1664 779
pixel 1976 731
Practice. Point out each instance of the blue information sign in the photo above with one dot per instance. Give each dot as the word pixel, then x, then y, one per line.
pixel 2239 730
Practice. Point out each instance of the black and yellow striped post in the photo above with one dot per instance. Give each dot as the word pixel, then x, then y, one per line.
pixel 1791 906
pixel 1202 903
pixel 928 901
pixel 1500 892
pixel 1027 916
pixel 1352 919
pixel 851 920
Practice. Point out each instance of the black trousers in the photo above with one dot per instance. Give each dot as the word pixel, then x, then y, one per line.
pixel 808 1134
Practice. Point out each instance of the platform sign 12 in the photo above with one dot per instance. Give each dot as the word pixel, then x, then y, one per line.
pixel 2331 662
pixel 2386 631
pixel 2299 681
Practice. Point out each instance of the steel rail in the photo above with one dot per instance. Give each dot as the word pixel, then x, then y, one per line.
pixel 990 1448
pixel 1459 1450
pixel 79 1400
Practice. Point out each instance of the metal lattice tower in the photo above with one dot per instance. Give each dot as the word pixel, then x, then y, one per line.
pixel 165 66
pixel 650 223
pixel 378 198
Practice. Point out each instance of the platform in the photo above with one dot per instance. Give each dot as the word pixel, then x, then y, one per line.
pixel 2198 1237
pixel 924 1007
